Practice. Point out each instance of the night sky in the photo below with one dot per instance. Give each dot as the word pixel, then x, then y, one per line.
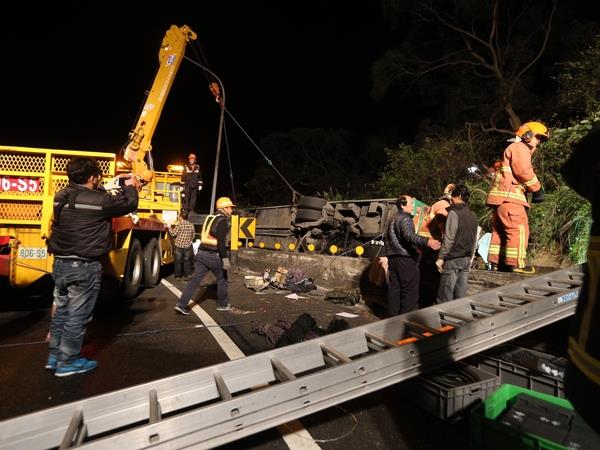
pixel 74 76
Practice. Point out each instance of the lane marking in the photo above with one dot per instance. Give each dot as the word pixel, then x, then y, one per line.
pixel 293 433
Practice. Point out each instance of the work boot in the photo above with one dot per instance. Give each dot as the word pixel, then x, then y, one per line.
pixel 527 270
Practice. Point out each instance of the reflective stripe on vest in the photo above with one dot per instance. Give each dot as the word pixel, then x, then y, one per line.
pixel 580 345
pixel 206 238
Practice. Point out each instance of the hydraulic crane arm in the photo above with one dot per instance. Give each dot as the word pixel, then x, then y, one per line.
pixel 170 56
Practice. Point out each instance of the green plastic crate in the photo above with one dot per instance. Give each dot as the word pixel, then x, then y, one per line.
pixel 486 433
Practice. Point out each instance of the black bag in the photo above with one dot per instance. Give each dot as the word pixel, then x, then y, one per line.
pixel 300 327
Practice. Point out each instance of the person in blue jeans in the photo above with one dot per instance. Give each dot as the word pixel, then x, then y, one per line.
pixel 458 246
pixel 81 235
pixel 211 256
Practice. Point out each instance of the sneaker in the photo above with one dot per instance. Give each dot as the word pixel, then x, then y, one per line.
pixel 178 278
pixel 51 363
pixel 80 365
pixel 227 307
pixel 187 278
pixel 181 310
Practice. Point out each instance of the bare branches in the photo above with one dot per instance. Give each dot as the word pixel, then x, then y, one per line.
pixel 543 47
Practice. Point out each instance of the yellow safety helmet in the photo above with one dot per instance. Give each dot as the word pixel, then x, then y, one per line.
pixel 224 202
pixel 530 129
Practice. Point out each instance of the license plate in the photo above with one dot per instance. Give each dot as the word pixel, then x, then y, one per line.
pixel 33 253
pixel 19 184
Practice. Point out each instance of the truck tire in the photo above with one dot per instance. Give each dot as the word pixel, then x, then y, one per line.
pixel 152 260
pixel 315 203
pixel 134 270
pixel 308 215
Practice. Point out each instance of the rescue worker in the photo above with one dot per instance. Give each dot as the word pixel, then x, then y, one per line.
pixel 432 226
pixel 191 178
pixel 434 221
pixel 460 237
pixel 582 378
pixel 211 256
pixel 81 235
pixel 402 244
pixel 514 177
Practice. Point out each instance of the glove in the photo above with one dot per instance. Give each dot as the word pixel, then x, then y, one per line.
pixel 226 264
pixel 440 265
pixel 538 196
pixel 200 187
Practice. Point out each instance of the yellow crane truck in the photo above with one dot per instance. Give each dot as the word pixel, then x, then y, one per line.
pixel 29 178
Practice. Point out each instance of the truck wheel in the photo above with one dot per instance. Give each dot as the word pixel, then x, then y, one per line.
pixel 134 269
pixel 315 203
pixel 308 215
pixel 152 260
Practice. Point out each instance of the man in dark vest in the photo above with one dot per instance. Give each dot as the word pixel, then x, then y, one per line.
pixel 192 183
pixel 460 237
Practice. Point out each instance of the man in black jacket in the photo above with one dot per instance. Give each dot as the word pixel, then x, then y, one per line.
pixel 401 248
pixel 460 237
pixel 81 235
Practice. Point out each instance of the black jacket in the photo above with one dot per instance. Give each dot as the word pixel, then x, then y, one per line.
pixel 401 238
pixel 81 225
pixel 191 176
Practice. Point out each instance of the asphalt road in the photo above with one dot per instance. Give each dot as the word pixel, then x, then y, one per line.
pixel 144 339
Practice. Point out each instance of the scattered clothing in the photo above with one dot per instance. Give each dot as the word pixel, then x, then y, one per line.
pixel 343 296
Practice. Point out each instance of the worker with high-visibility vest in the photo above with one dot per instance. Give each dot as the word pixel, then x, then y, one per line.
pixel 582 378
pixel 211 256
pixel 514 177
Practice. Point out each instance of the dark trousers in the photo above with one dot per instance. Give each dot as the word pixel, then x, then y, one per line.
pixel 189 200
pixel 183 260
pixel 455 279
pixel 403 287
pixel 206 261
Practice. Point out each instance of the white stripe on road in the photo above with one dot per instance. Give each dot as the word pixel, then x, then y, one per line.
pixel 293 433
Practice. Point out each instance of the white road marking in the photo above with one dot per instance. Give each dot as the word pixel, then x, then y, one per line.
pixel 293 433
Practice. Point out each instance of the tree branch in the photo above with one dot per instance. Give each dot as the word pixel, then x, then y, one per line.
pixel 543 48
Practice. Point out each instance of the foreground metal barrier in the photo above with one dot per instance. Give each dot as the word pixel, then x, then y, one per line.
pixel 225 402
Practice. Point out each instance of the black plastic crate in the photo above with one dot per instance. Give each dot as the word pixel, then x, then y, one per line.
pixel 504 362
pixel 450 401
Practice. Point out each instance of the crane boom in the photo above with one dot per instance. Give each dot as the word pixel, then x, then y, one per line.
pixel 170 56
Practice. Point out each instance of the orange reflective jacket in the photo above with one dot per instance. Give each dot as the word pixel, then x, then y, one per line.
pixel 514 176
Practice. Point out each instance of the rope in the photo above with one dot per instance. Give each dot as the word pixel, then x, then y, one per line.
pixel 269 162
pixel 136 333
pixel 229 161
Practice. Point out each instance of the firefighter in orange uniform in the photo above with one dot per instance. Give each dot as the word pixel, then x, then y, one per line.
pixel 513 179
